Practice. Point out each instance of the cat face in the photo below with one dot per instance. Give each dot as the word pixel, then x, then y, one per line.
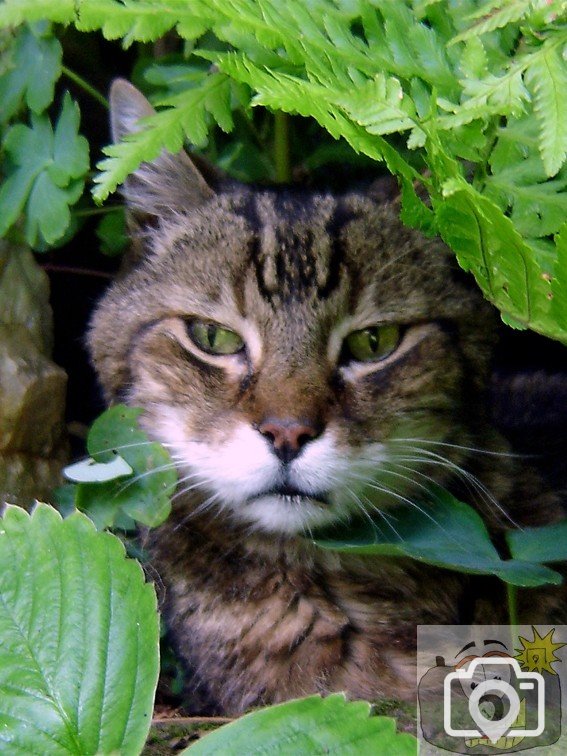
pixel 299 354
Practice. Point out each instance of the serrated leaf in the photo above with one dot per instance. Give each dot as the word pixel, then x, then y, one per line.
pixel 501 14
pixel 281 91
pixel 145 495
pixel 35 67
pixel 481 98
pixel 45 175
pixel 518 181
pixel 79 638
pixel 16 12
pixel 142 20
pixel 381 106
pixel 430 533
pixel 546 78
pixel 311 725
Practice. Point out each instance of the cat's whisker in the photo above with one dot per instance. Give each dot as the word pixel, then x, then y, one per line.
pixel 187 489
pixel 119 447
pixel 413 504
pixel 141 476
pixel 462 447
pixel 424 456
pixel 387 471
pixel 364 511
pixel 199 509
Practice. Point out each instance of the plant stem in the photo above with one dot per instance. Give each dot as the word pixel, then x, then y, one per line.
pixel 87 212
pixel 86 86
pixel 281 147
pixel 512 597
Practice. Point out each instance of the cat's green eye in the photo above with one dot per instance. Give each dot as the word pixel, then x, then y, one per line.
pixel 374 343
pixel 213 338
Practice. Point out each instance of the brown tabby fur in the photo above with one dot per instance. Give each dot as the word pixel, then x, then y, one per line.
pixel 258 613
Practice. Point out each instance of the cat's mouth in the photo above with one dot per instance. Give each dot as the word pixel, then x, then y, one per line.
pixel 286 491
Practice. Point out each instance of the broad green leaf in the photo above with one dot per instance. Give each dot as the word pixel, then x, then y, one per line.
pixel 308 726
pixel 145 495
pixel 544 544
pixel 546 77
pixel 45 174
pixel 432 532
pixel 34 67
pixel 79 637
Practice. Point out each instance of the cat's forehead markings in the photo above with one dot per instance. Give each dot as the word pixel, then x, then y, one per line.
pixel 297 246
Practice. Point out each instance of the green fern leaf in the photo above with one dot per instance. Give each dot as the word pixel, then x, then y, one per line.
pixel 496 15
pixel 16 12
pixel 166 130
pixel 546 78
pixel 141 20
pixel 518 181
pixel 381 106
pixel 492 95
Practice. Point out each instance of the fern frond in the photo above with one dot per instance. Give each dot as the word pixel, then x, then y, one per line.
pixel 497 15
pixel 140 20
pixel 492 95
pixel 518 182
pixel 16 12
pixel 167 130
pixel 381 106
pixel 546 78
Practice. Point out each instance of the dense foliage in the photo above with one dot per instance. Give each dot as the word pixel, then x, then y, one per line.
pixel 472 91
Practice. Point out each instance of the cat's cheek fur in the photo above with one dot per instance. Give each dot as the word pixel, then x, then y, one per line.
pixel 232 469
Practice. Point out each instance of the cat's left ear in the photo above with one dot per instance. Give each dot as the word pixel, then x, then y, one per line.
pixel 171 182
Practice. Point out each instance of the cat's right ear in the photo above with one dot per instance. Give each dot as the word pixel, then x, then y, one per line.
pixel 169 184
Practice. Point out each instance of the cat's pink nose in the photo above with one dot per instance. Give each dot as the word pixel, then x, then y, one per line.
pixel 288 437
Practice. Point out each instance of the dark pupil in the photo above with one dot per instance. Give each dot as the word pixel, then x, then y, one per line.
pixel 211 334
pixel 373 340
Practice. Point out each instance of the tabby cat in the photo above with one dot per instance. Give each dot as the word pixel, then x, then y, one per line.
pixel 306 359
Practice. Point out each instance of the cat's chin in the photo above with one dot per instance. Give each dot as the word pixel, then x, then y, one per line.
pixel 287 514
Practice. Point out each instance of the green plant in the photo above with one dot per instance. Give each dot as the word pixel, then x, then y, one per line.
pixel 462 101
pixel 476 87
